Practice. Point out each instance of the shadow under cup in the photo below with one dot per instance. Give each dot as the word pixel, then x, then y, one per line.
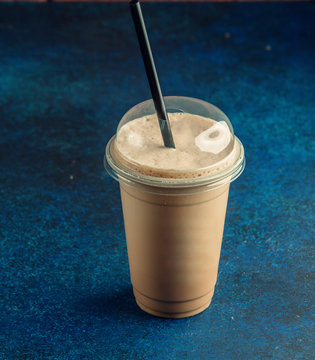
pixel 174 226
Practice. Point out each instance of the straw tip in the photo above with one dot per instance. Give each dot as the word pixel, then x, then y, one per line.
pixel 133 2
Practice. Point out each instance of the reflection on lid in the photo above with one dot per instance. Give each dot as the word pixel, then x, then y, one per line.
pixel 215 139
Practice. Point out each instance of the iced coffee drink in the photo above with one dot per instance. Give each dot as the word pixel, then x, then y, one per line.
pixel 174 201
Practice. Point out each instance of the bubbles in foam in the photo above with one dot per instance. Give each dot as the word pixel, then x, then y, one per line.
pixel 215 139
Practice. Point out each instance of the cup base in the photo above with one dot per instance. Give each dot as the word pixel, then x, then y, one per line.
pixel 173 309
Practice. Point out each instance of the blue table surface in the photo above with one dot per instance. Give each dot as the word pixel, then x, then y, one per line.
pixel 68 72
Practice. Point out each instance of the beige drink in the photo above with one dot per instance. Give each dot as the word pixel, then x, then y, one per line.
pixel 174 202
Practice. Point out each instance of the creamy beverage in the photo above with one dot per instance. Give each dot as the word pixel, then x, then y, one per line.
pixel 174 202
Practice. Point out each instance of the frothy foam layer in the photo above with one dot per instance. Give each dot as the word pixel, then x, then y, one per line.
pixel 203 146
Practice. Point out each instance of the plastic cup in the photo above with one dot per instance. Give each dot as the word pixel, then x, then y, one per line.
pixel 174 222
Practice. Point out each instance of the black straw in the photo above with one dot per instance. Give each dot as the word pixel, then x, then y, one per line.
pixel 151 73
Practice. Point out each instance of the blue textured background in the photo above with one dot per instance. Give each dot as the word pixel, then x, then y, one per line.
pixel 67 75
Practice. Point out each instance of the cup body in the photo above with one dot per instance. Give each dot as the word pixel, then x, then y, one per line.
pixel 174 244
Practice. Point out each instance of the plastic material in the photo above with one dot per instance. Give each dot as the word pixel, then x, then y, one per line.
pixel 219 140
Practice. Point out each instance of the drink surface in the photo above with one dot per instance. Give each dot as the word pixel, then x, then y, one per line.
pixel 203 146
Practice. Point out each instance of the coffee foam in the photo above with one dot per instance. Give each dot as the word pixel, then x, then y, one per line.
pixel 203 147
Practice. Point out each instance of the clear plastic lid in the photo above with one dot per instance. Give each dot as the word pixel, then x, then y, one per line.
pixel 207 152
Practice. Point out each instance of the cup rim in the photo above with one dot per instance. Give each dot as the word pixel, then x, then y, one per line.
pixel 124 174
